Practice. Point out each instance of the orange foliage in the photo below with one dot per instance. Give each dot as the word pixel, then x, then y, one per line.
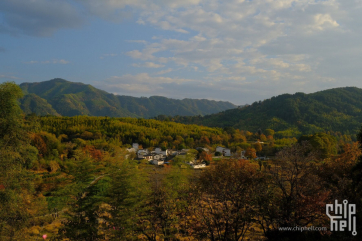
pixel 204 156
pixel 345 162
pixel 204 140
pixel 93 152
pixel 250 152
pixel 39 143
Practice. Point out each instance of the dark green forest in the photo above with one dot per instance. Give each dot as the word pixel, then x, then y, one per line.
pixel 334 110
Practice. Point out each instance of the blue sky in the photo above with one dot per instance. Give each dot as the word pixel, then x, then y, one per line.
pixel 238 50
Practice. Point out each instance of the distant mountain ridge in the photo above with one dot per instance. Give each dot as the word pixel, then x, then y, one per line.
pixel 338 110
pixel 62 97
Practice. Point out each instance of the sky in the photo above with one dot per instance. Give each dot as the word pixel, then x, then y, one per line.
pixel 232 50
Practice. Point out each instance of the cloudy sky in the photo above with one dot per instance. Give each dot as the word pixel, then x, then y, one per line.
pixel 235 50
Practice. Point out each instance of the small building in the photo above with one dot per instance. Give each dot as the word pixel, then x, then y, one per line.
pixel 158 162
pixel 219 149
pixel 226 152
pixel 135 146
pixel 171 152
pixel 148 157
pixel 141 153
pixel 158 150
pixel 198 166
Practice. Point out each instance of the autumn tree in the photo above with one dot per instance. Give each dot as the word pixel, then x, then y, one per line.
pixel 250 153
pixel 222 200
pixel 258 147
pixel 203 156
pixel 295 194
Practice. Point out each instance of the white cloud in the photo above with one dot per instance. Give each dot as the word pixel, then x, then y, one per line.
pixel 164 71
pixel 54 61
pixel 149 65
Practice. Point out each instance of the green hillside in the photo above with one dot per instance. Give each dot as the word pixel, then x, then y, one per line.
pixel 338 109
pixel 70 99
pixel 31 103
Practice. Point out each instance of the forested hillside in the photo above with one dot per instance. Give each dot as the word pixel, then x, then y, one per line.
pixel 71 99
pixel 32 103
pixel 336 110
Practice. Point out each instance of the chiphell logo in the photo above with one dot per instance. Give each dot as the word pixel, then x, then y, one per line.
pixel 344 216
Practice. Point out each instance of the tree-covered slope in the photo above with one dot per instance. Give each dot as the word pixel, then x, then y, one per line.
pixel 31 103
pixel 70 99
pixel 338 109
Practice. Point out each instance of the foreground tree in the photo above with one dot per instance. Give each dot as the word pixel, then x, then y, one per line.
pixel 222 202
pixel 17 199
pixel 295 195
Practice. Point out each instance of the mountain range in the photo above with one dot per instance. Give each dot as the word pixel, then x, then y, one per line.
pixel 65 98
pixel 337 110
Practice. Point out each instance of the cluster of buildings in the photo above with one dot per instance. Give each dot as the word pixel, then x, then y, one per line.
pixel 156 157
pixel 160 157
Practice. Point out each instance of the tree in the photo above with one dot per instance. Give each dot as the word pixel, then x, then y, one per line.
pixel 258 147
pixel 326 144
pixel 203 156
pixel 11 119
pixel 263 137
pixel 17 198
pixel 269 132
pixel 82 218
pixel 295 194
pixel 165 209
pixel 222 200
pixel 250 153
pixel 126 200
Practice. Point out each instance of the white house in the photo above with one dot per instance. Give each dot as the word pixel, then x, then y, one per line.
pixel 157 162
pixel 141 153
pixel 135 146
pixel 171 152
pixel 157 157
pixel 198 166
pixel 226 152
pixel 219 149
pixel 148 157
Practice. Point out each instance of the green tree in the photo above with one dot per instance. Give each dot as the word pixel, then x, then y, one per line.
pixel 126 200
pixel 17 198
pixel 269 132
pixel 322 142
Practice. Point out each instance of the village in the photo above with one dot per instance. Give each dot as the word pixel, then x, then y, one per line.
pixel 158 156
